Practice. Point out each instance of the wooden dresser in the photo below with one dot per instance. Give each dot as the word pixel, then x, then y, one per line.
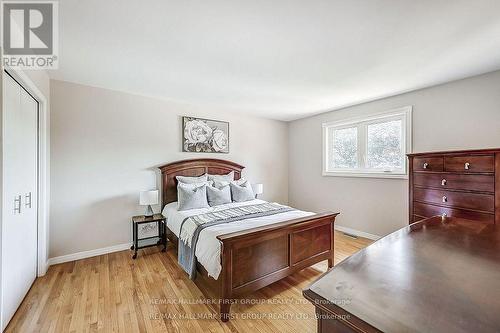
pixel 462 184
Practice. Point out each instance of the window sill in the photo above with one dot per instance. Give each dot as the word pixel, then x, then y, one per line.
pixel 365 175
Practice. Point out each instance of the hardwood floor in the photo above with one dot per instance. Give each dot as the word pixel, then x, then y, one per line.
pixel 113 293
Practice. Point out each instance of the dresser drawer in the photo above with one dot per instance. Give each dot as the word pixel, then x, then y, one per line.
pixel 483 202
pixel 483 183
pixel 470 163
pixel 427 210
pixel 428 164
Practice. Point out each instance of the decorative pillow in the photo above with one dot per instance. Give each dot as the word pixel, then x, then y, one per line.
pixel 191 196
pixel 219 195
pixel 192 180
pixel 239 181
pixel 242 192
pixel 228 178
pixel 219 183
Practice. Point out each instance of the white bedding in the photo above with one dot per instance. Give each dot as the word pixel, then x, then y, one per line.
pixel 208 247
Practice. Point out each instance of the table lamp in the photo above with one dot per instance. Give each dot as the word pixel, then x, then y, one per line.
pixel 258 189
pixel 148 198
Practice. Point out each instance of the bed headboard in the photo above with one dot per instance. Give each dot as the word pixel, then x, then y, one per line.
pixel 192 168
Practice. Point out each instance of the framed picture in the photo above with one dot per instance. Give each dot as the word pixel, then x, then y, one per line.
pixel 204 135
pixel 147 230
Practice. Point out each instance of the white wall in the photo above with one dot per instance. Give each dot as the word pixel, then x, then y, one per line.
pixel 106 145
pixel 458 115
pixel 41 79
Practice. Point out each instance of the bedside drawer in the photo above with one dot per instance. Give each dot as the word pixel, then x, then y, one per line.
pixel 483 183
pixel 470 164
pixel 428 164
pixel 426 210
pixel 484 202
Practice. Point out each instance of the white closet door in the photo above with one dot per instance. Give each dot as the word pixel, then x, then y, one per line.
pixel 19 225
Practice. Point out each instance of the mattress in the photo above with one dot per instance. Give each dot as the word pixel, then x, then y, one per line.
pixel 209 247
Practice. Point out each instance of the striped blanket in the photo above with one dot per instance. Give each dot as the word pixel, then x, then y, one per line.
pixel 193 225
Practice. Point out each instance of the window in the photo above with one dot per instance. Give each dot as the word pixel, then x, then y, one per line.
pixel 374 146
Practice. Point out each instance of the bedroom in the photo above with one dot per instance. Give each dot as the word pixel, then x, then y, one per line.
pixel 295 98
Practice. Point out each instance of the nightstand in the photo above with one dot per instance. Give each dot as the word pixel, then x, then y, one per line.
pixel 152 232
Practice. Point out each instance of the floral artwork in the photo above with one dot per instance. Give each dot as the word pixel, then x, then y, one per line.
pixel 147 230
pixel 205 136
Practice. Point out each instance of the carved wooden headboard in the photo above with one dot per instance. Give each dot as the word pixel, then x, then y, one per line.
pixel 192 168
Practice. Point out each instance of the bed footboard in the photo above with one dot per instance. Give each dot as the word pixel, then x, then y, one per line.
pixel 255 258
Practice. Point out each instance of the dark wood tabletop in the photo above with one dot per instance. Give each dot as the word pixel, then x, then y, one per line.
pixel 437 275
pixel 145 219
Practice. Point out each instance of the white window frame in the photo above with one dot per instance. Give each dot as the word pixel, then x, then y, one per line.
pixel 404 114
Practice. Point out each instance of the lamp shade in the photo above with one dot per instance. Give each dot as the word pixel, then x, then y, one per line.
pixel 148 198
pixel 258 188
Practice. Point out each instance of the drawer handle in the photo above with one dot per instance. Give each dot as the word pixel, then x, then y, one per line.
pixel 27 200
pixel 425 165
pixel 444 215
pixel 17 204
pixel 445 199
pixel 467 166
pixel 443 182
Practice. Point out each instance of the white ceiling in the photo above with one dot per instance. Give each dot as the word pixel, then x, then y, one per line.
pixel 278 59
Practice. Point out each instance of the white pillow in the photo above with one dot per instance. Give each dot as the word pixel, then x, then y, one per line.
pixel 239 181
pixel 242 192
pixel 191 196
pixel 219 183
pixel 219 195
pixel 228 178
pixel 192 180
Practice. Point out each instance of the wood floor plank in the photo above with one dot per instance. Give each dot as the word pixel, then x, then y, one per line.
pixel 113 293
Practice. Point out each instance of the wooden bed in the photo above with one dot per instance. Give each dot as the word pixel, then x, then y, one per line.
pixel 253 258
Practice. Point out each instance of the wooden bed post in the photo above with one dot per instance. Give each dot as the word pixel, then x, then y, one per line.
pixel 226 283
pixel 224 310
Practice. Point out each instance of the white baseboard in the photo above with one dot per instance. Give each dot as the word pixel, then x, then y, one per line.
pixel 42 269
pixel 88 254
pixel 357 232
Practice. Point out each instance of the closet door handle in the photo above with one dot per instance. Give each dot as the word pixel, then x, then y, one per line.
pixel 17 204
pixel 27 200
